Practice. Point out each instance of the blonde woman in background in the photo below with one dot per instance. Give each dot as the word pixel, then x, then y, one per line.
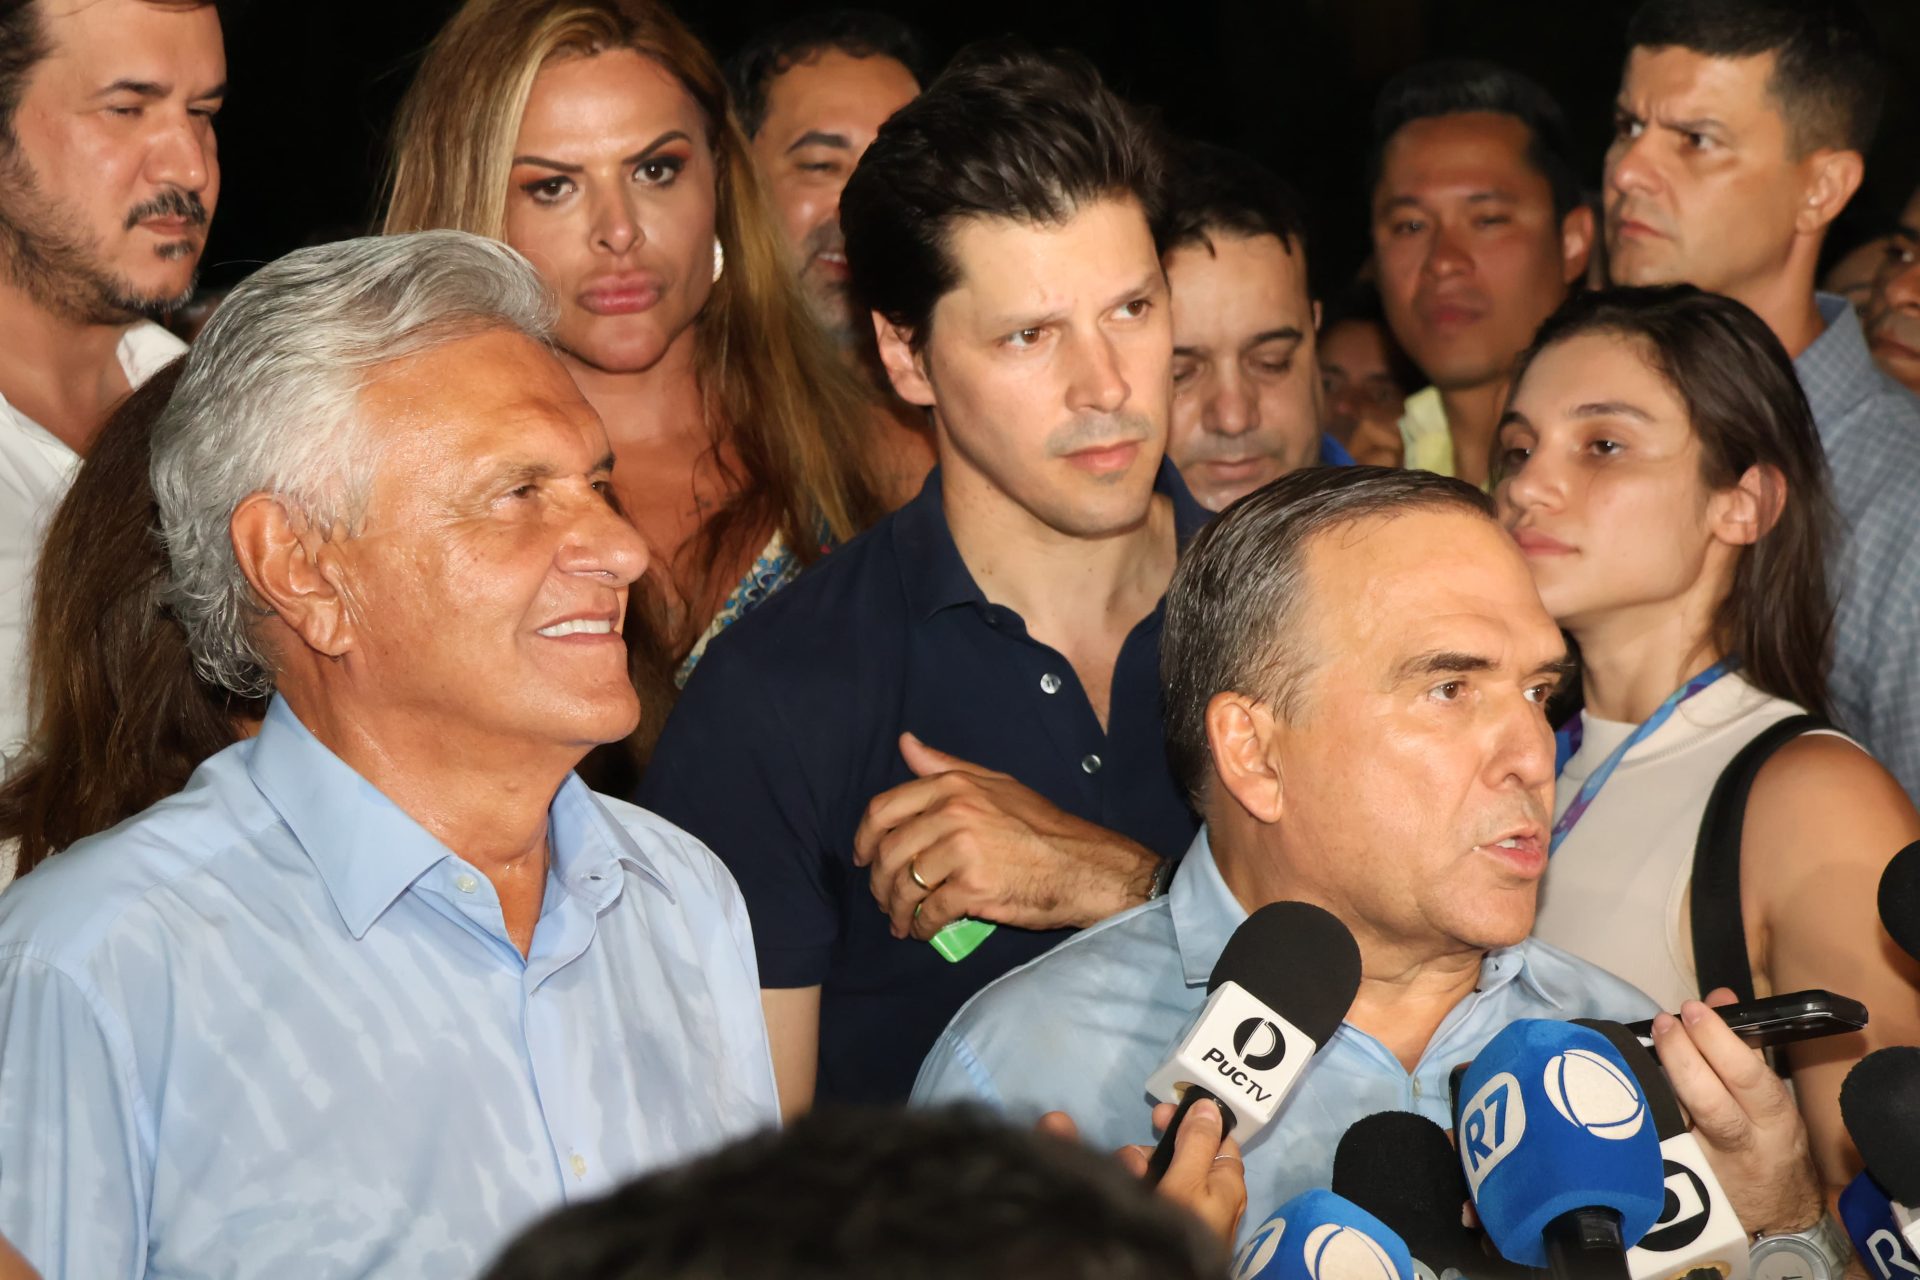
pixel 595 137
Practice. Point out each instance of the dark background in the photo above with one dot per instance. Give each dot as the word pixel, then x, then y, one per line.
pixel 315 82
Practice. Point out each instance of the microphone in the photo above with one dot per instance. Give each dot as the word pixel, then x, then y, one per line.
pixel 1880 1102
pixel 1402 1168
pixel 1560 1155
pixel 1318 1235
pixel 1868 1216
pixel 1900 899
pixel 1698 1228
pixel 1278 992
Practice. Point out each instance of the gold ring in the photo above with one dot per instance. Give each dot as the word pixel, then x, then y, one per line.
pixel 913 869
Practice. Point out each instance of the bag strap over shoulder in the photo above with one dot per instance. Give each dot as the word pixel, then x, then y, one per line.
pixel 1719 924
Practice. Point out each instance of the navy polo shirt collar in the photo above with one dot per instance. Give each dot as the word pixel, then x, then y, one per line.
pixel 933 575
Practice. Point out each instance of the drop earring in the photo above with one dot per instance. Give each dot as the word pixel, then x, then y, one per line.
pixel 719 259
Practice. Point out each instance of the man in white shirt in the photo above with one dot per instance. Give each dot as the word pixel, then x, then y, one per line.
pixel 108 178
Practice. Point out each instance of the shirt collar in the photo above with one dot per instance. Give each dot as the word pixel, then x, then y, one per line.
pixel 1205 914
pixel 935 577
pixel 1837 370
pixel 368 851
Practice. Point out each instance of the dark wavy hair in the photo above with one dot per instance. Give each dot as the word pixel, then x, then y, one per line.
pixel 1004 132
pixel 1746 407
pixel 120 719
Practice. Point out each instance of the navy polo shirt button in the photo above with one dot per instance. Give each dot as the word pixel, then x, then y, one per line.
pixel 1091 764
pixel 1049 683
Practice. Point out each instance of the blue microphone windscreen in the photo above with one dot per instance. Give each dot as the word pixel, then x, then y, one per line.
pixel 1553 1120
pixel 1318 1235
pixel 1867 1212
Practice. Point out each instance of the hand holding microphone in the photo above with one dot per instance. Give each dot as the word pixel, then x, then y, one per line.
pixel 1278 992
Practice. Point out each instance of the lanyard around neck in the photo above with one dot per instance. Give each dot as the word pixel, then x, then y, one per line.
pixel 1572 735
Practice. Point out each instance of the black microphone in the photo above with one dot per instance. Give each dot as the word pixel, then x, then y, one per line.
pixel 1401 1167
pixel 1278 992
pixel 1697 1229
pixel 1900 899
pixel 1880 1102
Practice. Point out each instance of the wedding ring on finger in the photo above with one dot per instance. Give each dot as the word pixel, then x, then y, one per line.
pixel 913 870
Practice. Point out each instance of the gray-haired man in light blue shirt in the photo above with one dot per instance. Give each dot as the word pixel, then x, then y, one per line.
pixel 386 982
pixel 1357 666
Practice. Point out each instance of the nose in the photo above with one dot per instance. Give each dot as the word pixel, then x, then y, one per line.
pixel 183 155
pixel 616 228
pixel 1900 284
pixel 1446 256
pixel 600 542
pixel 1097 382
pixel 1629 166
pixel 1524 750
pixel 1534 484
pixel 1231 410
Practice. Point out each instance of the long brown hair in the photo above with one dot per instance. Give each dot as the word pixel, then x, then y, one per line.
pixel 797 418
pixel 119 718
pixel 1746 408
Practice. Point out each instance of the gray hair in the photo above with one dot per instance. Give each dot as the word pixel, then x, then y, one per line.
pixel 266 405
pixel 1235 620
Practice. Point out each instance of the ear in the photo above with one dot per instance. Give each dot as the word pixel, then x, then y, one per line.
pixel 1832 179
pixel 295 571
pixel 1576 243
pixel 1240 734
pixel 1742 515
pixel 904 367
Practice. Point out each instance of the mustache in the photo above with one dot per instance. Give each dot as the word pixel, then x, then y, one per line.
pixel 1096 430
pixel 171 203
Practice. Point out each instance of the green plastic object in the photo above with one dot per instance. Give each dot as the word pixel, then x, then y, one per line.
pixel 957 941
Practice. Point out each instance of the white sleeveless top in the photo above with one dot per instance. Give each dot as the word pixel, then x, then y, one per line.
pixel 1616 891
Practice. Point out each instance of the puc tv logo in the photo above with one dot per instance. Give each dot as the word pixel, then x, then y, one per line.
pixel 1262 1054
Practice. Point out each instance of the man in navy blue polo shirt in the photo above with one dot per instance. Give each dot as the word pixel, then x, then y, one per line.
pixel 957 716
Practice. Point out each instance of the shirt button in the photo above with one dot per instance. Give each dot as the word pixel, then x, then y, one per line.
pixel 465 883
pixel 1090 764
pixel 579 1163
pixel 1049 683
pixel 1416 1086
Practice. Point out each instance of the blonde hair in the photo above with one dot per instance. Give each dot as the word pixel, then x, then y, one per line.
pixel 797 417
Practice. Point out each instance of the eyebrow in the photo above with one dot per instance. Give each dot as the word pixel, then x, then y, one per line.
pixel 1286 333
pixel 520 472
pixel 1906 229
pixel 154 89
pixel 1608 409
pixel 1437 662
pixel 676 135
pixel 821 138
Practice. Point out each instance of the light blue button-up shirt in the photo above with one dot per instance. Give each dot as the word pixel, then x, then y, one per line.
pixel 272 1028
pixel 1870 426
pixel 1081 1028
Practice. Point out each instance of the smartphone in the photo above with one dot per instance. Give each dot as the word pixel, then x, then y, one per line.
pixel 1778 1020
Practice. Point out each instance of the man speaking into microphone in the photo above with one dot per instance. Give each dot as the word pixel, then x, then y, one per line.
pixel 1356 666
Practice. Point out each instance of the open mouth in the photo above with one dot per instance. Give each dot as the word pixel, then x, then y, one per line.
pixel 578 627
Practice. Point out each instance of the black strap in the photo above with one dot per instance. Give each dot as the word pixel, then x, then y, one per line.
pixel 1719 925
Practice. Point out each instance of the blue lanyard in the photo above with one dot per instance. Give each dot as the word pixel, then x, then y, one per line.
pixel 1569 738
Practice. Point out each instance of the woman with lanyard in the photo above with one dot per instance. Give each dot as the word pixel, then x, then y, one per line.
pixel 1659 468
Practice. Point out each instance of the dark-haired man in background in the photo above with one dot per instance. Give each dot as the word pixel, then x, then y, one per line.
pixel 1892 313
pixel 1478 233
pixel 1741 131
pixel 108 178
pixel 1247 406
pixel 958 713
pixel 811 93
